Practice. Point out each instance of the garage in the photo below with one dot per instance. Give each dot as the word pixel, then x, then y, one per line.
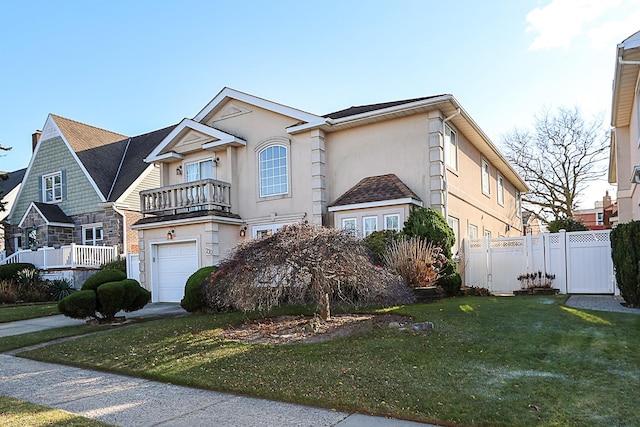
pixel 173 263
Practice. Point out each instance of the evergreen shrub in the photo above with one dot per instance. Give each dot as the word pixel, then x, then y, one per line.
pixel 194 299
pixel 625 253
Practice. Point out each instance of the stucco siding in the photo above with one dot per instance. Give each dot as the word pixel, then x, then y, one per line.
pixel 399 146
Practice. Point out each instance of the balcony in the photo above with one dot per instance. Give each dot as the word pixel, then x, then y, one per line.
pixel 65 257
pixel 203 195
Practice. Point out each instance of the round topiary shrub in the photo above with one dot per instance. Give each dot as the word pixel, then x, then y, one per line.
pixel 79 305
pixel 103 276
pixel 125 295
pixel 431 225
pixel 194 299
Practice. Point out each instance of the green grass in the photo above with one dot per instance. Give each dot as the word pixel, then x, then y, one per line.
pixel 490 361
pixel 18 413
pixel 24 340
pixel 11 313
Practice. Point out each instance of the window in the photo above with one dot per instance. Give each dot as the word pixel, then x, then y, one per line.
pixel 260 231
pixel 500 190
pixel 451 147
pixel 349 224
pixel 487 233
pixel 473 231
pixel 32 237
pixel 369 224
pixel 93 235
pixel 52 188
pixel 200 170
pixel 454 223
pixel 485 178
pixel 274 177
pixel 17 242
pixel 600 218
pixel 518 204
pixel 392 222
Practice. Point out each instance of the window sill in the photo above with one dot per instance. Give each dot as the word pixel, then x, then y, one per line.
pixel 274 197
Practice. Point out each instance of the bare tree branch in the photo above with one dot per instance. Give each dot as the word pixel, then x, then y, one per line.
pixel 559 159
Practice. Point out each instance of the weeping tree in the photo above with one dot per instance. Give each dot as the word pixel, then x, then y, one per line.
pixel 303 264
pixel 558 159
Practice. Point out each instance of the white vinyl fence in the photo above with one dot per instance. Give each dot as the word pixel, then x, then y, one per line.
pixel 580 260
pixel 133 266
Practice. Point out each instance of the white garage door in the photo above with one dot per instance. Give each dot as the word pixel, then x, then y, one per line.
pixel 174 263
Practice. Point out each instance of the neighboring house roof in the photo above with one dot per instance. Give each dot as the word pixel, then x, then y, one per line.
pixel 51 213
pixel 376 189
pixel 114 161
pixel 624 92
pixel 14 179
pixel 133 164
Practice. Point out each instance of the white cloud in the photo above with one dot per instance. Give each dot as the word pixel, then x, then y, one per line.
pixel 560 21
pixel 610 33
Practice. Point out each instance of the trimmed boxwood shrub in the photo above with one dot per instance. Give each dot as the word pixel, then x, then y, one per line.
pixel 450 284
pixel 625 253
pixel 10 271
pixel 194 299
pixel 431 225
pixel 378 242
pixel 126 295
pixel 103 276
pixel 79 305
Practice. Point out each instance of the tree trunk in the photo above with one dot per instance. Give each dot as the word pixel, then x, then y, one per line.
pixel 325 312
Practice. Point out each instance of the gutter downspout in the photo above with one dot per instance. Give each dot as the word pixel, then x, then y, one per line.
pixel 124 228
pixel 446 180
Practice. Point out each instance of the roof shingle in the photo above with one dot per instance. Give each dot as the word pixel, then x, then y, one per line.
pixel 376 189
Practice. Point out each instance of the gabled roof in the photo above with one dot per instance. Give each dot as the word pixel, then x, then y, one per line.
pixel 14 179
pixel 164 146
pixel 381 188
pixel 51 213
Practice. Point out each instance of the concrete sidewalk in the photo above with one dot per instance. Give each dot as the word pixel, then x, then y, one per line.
pixel 600 303
pixel 127 401
pixel 157 309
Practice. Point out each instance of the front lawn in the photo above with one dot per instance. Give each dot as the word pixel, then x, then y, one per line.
pixel 13 312
pixel 18 413
pixel 511 361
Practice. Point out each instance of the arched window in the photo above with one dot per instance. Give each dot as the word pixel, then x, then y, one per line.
pixel 274 175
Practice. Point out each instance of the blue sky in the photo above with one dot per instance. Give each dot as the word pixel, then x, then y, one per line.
pixel 136 66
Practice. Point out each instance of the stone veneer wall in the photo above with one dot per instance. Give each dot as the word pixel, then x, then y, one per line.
pixel 52 235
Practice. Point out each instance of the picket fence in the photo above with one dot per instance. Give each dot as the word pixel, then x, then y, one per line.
pixel 580 260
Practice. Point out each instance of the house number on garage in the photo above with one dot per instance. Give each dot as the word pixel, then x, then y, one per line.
pixel 208 251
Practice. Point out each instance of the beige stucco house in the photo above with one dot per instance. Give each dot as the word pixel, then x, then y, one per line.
pixel 624 154
pixel 245 166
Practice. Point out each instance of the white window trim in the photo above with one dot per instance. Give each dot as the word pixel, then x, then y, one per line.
pixel 384 221
pixel 44 187
pixel 500 189
pixel 266 144
pixel 456 231
pixel 447 143
pixel 518 202
pixel 186 165
pixel 353 220
pixel 93 227
pixel 487 191
pixel 267 227
pixel 472 227
pixel 364 221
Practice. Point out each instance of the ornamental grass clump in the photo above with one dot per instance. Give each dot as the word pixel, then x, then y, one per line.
pixel 419 262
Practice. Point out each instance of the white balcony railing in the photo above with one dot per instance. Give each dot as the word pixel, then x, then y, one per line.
pixel 72 256
pixel 205 194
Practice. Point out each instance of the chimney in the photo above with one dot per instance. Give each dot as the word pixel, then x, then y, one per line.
pixel 606 200
pixel 35 137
